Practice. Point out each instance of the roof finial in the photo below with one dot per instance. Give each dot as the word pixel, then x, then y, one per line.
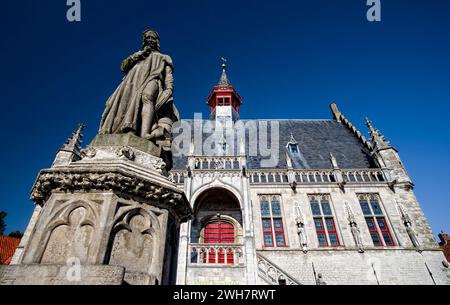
pixel 224 63
pixel 378 140
pixel 73 144
pixel 292 140
pixel 336 113
pixel 224 78
pixel 333 161
pixel 369 124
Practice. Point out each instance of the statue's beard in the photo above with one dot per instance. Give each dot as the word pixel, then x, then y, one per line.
pixel 151 46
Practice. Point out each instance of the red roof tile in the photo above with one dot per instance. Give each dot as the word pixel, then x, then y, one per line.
pixel 7 247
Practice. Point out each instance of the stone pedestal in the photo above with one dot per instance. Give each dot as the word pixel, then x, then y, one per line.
pixel 111 210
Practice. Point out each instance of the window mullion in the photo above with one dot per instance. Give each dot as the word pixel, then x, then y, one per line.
pixel 380 233
pixel 272 224
pixel 325 228
pixel 375 221
pixel 273 229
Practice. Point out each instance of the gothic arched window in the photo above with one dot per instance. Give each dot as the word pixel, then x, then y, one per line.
pixel 272 221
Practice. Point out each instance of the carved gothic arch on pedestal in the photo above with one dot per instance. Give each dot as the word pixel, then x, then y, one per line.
pixel 134 238
pixel 68 233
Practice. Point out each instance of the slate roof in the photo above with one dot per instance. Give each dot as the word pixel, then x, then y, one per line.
pixel 316 140
pixel 8 246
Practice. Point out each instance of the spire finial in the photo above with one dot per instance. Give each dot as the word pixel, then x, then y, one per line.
pixel 333 161
pixel 73 144
pixel 292 139
pixel 378 140
pixel 224 78
pixel 369 124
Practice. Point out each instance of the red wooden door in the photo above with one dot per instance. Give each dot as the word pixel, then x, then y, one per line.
pixel 219 232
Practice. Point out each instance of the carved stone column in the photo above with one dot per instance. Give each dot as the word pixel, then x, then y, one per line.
pixel 111 214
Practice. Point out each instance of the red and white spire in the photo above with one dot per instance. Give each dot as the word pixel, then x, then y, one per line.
pixel 223 94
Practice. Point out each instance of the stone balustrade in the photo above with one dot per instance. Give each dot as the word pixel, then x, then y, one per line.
pixel 363 175
pixel 217 254
pixel 280 176
pixel 217 162
pixel 273 274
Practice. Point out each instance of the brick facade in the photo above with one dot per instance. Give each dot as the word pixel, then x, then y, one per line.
pixel 7 247
pixel 445 244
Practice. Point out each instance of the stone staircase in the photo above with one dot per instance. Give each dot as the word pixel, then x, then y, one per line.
pixel 272 274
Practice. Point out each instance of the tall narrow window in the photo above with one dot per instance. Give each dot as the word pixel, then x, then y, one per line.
pixel 376 222
pixel 272 221
pixel 324 220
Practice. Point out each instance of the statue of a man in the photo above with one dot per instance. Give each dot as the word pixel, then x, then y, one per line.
pixel 143 102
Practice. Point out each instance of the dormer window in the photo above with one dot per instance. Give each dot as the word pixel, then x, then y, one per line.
pixel 293 148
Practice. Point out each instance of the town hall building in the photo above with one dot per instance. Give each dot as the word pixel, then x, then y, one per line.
pixel 332 208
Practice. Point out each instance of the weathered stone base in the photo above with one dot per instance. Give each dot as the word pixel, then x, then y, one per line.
pixel 110 207
pixel 61 275
pixel 223 275
pixel 139 278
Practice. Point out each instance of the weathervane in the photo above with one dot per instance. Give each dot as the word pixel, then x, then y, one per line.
pixel 224 62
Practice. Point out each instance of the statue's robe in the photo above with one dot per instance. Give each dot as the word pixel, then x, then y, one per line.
pixel 122 111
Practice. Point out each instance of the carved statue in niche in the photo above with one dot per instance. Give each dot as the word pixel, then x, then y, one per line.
pixel 408 225
pixel 133 242
pixel 70 240
pixel 354 228
pixel 301 228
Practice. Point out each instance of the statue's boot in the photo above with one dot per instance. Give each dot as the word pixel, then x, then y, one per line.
pixel 157 134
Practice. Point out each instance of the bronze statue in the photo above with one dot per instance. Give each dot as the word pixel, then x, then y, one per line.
pixel 143 102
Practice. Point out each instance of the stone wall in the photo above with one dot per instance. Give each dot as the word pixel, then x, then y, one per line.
pixel 395 267
pixel 289 199
pixel 400 264
pixel 221 275
pixel 61 275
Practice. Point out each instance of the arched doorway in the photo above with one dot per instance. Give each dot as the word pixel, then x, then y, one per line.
pixel 216 230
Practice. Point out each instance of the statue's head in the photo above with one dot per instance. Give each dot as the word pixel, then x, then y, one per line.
pixel 151 38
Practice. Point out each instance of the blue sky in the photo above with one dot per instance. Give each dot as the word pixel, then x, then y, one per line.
pixel 288 59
